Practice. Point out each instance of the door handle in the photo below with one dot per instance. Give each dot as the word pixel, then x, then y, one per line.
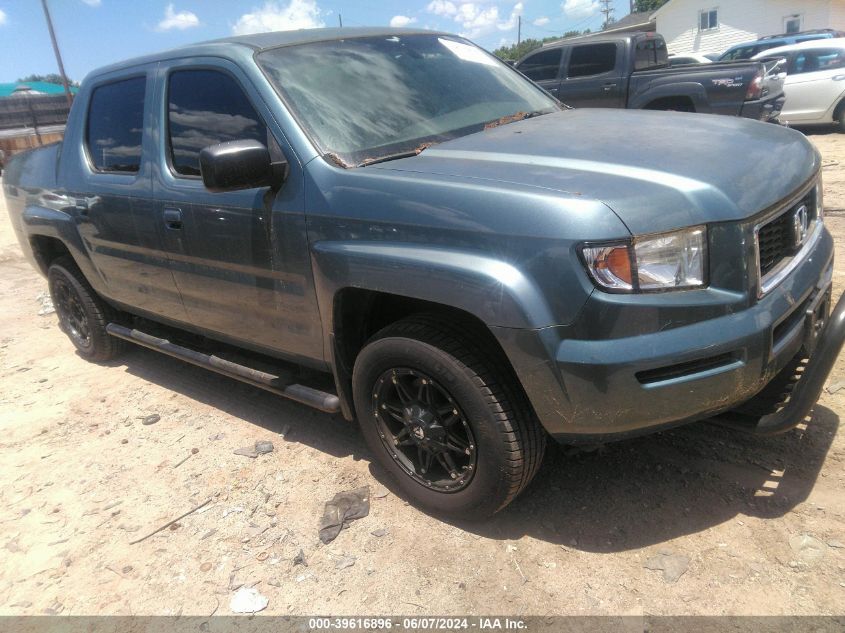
pixel 609 87
pixel 839 78
pixel 173 219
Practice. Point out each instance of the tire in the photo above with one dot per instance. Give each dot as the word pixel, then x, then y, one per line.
pixel 466 397
pixel 83 316
pixel 840 122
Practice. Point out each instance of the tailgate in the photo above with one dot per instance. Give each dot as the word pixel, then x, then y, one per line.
pixel 774 74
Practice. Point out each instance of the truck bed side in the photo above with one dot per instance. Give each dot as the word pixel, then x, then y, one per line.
pixel 31 190
pixel 713 88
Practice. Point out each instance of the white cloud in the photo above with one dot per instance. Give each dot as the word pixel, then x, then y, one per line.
pixel 93 3
pixel 398 21
pixel 541 21
pixel 275 16
pixel 577 9
pixel 476 19
pixel 3 17
pixel 441 7
pixel 180 21
pixel 511 21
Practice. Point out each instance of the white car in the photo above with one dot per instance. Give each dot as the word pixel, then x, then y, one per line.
pixel 815 81
pixel 686 59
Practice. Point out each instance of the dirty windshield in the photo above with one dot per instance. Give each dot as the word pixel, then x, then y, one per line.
pixel 374 98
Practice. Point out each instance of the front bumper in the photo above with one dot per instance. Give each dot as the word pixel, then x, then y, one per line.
pixel 825 337
pixel 598 390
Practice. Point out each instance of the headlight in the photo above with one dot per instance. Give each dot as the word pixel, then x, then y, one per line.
pixel 650 263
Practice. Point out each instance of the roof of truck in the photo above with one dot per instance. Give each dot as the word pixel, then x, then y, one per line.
pixel 600 37
pixel 261 41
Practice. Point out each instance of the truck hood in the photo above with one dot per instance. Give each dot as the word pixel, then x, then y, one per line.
pixel 656 170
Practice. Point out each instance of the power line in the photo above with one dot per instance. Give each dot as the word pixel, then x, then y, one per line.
pixel 607 9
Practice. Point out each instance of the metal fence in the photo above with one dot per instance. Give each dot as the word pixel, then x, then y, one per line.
pixel 30 121
pixel 33 111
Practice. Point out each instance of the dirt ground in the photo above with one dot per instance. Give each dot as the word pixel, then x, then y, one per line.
pixel 741 525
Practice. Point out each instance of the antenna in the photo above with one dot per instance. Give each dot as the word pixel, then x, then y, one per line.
pixel 56 51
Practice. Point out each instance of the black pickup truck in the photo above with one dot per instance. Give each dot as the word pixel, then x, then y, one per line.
pixel 631 70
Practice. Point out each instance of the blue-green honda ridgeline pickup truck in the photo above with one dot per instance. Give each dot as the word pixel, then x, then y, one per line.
pixel 394 225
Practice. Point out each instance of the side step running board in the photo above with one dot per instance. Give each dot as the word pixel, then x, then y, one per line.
pixel 321 400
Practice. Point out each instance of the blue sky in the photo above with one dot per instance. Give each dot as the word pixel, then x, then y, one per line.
pixel 93 33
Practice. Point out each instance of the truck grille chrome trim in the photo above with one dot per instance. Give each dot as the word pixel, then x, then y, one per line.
pixel 781 243
pixel 787 265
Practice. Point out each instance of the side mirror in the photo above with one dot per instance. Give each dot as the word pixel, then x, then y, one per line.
pixel 238 165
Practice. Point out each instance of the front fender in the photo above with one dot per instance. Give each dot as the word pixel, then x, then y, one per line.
pixel 493 290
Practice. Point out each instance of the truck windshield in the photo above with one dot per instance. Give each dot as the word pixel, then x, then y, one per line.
pixel 367 99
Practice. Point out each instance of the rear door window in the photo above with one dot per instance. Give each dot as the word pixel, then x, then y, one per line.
pixel 817 60
pixel 651 53
pixel 115 125
pixel 542 66
pixel 591 59
pixel 207 107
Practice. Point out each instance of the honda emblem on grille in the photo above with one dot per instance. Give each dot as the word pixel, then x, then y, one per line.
pixel 800 225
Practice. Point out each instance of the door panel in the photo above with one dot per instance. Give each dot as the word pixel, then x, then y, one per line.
pixel 113 198
pixel 593 77
pixel 240 258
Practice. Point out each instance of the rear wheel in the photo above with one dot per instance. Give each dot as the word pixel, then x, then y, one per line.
pixel 840 121
pixel 446 418
pixel 83 316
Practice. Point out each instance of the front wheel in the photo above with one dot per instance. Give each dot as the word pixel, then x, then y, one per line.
pixel 446 418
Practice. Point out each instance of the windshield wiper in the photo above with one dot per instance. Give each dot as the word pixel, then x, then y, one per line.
pixel 512 118
pixel 383 159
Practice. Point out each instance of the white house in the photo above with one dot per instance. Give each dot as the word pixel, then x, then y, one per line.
pixel 712 26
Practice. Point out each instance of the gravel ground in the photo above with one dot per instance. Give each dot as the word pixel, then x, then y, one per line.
pixel 699 520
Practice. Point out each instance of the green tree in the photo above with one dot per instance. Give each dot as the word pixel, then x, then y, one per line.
pixel 51 78
pixel 515 52
pixel 649 5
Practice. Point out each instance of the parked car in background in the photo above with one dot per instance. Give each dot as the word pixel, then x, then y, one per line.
pixel 747 50
pixel 688 59
pixel 462 264
pixel 631 70
pixel 815 82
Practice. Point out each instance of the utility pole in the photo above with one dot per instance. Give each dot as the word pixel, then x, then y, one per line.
pixel 518 29
pixel 340 20
pixel 607 10
pixel 56 51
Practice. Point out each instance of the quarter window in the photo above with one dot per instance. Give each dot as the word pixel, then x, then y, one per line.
pixel 543 65
pixel 207 107
pixel 650 53
pixel 592 59
pixel 115 125
pixel 708 20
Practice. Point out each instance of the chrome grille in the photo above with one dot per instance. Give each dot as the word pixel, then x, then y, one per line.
pixel 776 240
